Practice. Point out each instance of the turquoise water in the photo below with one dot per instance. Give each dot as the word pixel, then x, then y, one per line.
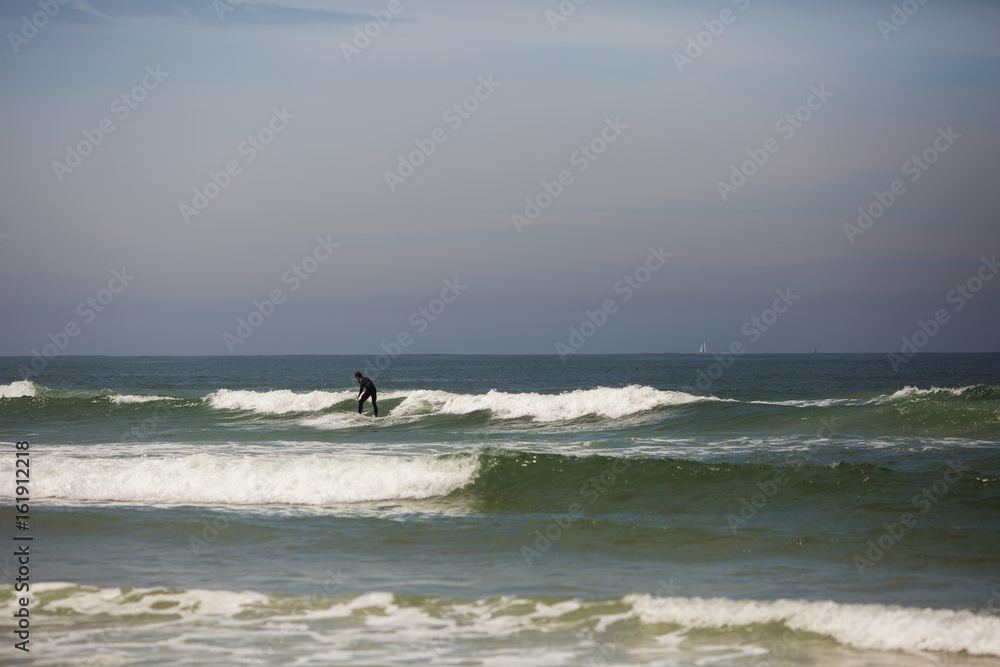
pixel 648 509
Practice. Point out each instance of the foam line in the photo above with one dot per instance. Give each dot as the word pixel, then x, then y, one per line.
pixel 245 480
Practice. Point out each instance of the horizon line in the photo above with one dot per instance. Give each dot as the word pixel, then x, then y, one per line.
pixel 479 354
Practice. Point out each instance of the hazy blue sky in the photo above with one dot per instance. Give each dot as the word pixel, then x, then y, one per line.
pixel 223 69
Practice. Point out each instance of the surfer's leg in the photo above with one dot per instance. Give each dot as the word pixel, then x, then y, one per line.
pixel 361 402
pixel 374 405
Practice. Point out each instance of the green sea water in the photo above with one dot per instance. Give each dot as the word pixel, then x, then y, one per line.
pixel 646 509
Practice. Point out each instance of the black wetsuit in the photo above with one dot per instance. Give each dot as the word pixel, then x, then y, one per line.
pixel 368 387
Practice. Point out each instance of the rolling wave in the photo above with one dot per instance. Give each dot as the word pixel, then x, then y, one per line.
pixel 244 480
pixel 18 389
pixel 364 627
pixel 529 482
pixel 610 403
pixel 486 481
pixel 971 411
pixel 277 402
pixel 864 626
pixel 133 398
pixel 972 392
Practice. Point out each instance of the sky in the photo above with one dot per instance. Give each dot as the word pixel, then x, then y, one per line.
pixel 432 176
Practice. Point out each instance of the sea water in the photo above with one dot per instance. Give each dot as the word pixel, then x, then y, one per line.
pixel 628 509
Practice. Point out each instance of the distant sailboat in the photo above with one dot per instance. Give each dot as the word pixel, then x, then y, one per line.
pixel 703 350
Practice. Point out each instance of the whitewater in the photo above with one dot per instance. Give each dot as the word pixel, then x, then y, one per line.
pixel 509 510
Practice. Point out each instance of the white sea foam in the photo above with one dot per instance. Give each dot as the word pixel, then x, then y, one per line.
pixel 342 420
pixel 18 389
pixel 914 392
pixel 612 403
pixel 244 480
pixel 809 403
pixel 337 420
pixel 607 402
pixel 276 402
pixel 134 398
pixel 89 600
pixel 907 392
pixel 375 625
pixel 865 626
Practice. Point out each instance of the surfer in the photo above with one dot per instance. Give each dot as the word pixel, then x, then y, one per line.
pixel 367 389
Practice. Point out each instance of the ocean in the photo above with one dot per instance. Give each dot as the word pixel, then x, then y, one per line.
pixel 811 509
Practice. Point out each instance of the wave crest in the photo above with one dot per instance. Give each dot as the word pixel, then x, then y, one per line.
pixel 247 480
pixel 611 403
pixel 978 391
pixel 119 399
pixel 276 402
pixel 385 619
pixel 865 626
pixel 18 389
